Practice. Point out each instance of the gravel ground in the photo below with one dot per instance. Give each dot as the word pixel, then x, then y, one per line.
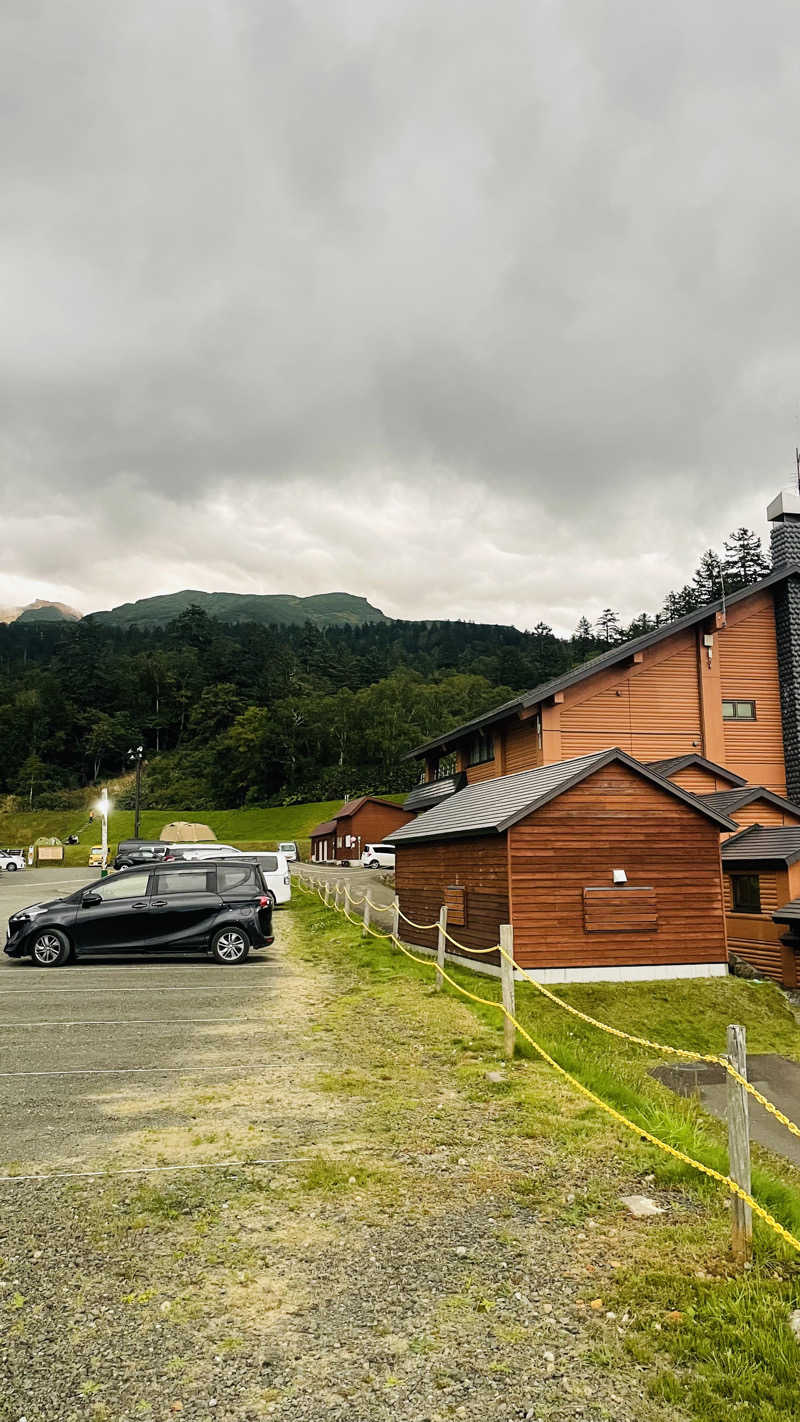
pixel 416 1257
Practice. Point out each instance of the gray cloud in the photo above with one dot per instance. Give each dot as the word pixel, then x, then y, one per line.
pixel 480 311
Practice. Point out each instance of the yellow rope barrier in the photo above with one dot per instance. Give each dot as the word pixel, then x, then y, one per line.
pixel 641 1131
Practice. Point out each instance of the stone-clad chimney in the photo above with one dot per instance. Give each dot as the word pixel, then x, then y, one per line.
pixel 784 514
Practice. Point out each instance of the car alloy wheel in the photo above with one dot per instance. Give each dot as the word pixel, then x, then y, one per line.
pixel 12 867
pixel 49 949
pixel 230 945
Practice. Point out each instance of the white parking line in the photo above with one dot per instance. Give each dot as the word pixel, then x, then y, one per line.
pixel 127 1022
pixel 101 991
pixel 249 1067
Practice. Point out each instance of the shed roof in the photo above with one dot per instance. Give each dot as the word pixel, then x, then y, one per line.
pixel 729 801
pixel 789 913
pixel 351 807
pixel 423 797
pixel 762 844
pixel 684 762
pixel 495 805
pixel 327 827
pixel 611 658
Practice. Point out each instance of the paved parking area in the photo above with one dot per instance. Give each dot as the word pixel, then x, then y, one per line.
pixel 359 881
pixel 92 1050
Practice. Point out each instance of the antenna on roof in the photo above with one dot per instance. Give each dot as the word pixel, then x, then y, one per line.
pixel 722 579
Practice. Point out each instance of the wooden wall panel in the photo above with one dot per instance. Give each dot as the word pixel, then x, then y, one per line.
pixel 522 750
pixel 699 781
pixel 615 820
pixel 747 650
pixel 650 709
pixel 487 770
pixel 424 871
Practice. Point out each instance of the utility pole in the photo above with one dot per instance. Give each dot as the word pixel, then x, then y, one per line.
pixel 135 754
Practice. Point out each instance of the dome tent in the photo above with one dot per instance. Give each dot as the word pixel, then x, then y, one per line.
pixel 181 832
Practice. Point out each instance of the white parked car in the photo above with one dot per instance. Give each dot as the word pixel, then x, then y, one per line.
pixel 288 848
pixel 378 856
pixel 209 850
pixel 11 859
pixel 275 873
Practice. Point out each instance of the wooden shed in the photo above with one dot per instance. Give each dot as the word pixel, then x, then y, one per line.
pixel 753 805
pixel 761 871
pixel 606 871
pixel 367 820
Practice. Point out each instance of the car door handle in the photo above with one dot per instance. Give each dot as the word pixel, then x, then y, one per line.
pixel 160 903
pixel 141 903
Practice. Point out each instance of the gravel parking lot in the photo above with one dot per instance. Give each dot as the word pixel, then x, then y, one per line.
pixel 86 1046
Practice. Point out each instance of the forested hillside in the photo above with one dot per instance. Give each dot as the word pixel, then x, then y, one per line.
pixel 246 713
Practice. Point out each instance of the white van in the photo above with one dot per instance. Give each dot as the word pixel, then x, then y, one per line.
pixel 275 873
pixel 378 856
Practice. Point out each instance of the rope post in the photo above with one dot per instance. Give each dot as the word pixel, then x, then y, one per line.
pixel 507 982
pixel 327 893
pixel 739 1145
pixel 337 904
pixel 367 907
pixel 441 945
pixel 395 917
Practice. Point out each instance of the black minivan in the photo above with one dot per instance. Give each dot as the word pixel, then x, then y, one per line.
pixel 220 907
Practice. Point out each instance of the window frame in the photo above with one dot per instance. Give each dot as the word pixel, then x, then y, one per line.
pixel 198 868
pixel 106 888
pixel 480 749
pixel 735 702
pixel 737 880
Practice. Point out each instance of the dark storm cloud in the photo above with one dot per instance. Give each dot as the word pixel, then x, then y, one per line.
pixel 300 296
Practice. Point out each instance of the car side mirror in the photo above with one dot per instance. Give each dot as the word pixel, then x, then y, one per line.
pixel 89 900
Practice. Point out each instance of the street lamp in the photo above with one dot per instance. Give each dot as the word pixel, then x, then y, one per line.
pixel 103 805
pixel 135 754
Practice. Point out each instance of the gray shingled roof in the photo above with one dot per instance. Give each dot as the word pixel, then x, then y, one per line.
pixel 494 805
pixel 790 912
pixel 682 762
pixel 617 654
pixel 729 801
pixel 762 844
pixel 424 797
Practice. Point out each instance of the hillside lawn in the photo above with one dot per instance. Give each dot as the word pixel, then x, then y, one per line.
pixel 251 828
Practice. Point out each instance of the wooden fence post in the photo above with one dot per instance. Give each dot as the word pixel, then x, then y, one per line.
pixel 507 982
pixel 327 893
pixel 441 947
pixel 367 907
pixel 739 1145
pixel 395 917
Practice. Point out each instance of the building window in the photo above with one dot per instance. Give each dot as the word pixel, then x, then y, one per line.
pixel 746 893
pixel 738 710
pixel 481 748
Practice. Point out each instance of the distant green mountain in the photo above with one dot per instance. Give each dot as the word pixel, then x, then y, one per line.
pixel 40 611
pixel 335 609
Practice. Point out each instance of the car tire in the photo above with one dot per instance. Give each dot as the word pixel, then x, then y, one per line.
pixel 229 946
pixel 11 868
pixel 123 864
pixel 374 864
pixel 50 948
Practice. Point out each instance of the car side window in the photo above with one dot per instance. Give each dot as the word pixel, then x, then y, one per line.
pixel 269 863
pixel 125 886
pixel 195 881
pixel 232 877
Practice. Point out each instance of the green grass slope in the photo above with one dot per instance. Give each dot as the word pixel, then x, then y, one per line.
pixel 323 609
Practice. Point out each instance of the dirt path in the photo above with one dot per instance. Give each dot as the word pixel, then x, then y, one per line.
pixel 421 1254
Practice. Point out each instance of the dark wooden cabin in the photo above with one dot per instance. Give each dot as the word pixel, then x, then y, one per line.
pixel 539 850
pixel 367 820
pixel 761 873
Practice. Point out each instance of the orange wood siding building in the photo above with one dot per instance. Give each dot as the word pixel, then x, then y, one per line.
pixel 358 823
pixel 707 685
pixel 761 874
pixel 549 872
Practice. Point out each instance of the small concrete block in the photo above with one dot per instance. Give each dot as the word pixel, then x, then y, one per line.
pixel 640 1207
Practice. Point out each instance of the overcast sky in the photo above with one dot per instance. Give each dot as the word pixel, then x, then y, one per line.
pixel 478 310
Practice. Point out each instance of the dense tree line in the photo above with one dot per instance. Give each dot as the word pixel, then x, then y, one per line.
pixel 230 714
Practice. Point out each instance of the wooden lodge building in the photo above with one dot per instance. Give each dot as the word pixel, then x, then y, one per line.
pixel 367 820
pixel 606 870
pixel 708 705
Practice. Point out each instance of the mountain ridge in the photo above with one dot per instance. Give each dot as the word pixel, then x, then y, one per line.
pixel 334 609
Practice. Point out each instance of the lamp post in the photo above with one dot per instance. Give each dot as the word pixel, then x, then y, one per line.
pixel 135 754
pixel 103 806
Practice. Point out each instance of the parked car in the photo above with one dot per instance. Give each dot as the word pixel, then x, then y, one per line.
pixel 141 851
pixel 203 850
pixel 289 849
pixel 275 872
pixel 12 859
pixel 221 909
pixel 378 856
pixel 96 855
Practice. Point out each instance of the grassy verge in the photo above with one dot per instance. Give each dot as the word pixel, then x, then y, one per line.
pixel 715 1341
